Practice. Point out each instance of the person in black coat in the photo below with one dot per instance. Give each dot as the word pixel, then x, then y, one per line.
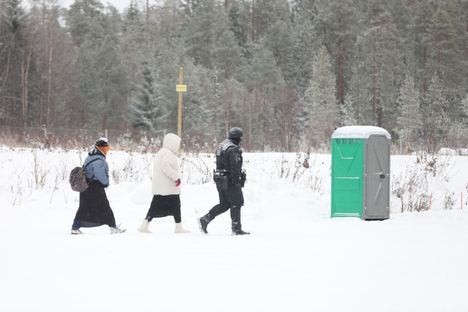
pixel 94 209
pixel 229 178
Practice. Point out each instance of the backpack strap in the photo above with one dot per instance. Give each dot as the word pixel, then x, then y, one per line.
pixel 90 162
pixel 84 168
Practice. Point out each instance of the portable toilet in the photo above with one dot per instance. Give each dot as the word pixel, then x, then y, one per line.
pixel 361 173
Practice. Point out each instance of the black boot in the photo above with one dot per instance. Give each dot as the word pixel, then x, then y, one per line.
pixel 237 229
pixel 203 222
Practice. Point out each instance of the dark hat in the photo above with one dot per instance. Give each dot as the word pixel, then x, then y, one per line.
pixel 102 142
pixel 235 133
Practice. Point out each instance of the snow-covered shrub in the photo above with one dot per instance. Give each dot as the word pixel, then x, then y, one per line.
pixel 295 168
pixel 421 203
pixel 449 201
pixel 19 189
pixel 432 163
pixel 40 171
pixel 123 173
pixel 195 169
pixel 124 139
pixel 448 152
pixel 313 180
pixel 412 187
pixel 134 168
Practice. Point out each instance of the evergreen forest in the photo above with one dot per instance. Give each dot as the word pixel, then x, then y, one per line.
pixel 287 72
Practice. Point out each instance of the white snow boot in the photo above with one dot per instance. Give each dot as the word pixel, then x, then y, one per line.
pixel 144 227
pixel 117 230
pixel 179 229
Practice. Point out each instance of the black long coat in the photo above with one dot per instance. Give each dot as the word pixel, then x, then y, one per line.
pixel 94 206
pixel 229 158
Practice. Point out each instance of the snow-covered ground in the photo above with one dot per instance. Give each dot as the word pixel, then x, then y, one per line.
pixel 297 258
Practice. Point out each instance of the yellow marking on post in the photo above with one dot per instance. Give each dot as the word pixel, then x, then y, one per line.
pixel 181 88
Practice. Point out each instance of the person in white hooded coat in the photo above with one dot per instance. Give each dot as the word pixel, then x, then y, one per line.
pixel 166 185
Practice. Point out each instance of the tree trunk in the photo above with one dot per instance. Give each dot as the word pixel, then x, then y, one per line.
pixel 253 21
pixel 340 73
pixel 250 117
pixel 49 86
pixel 147 16
pixel 25 64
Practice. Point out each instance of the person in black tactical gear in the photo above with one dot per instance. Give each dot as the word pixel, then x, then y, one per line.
pixel 229 178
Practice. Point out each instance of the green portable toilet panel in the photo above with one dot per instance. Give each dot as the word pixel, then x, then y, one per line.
pixel 361 172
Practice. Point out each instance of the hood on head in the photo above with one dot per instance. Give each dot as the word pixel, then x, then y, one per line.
pixel 172 142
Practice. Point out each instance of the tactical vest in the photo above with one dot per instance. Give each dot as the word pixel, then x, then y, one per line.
pixel 221 155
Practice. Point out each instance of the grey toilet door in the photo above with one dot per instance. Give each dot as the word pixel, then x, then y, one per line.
pixel 377 178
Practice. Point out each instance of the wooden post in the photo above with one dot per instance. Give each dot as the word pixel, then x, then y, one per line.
pixel 179 115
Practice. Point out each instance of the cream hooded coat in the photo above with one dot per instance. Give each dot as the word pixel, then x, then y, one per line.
pixel 166 169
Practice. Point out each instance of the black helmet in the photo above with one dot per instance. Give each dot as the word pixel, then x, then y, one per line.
pixel 235 133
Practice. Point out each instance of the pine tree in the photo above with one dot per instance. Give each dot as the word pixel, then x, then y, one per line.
pixel 85 20
pixel 239 23
pixel 202 32
pixel 167 46
pixel 201 122
pixel 347 114
pixel 265 14
pixel 336 27
pixel 102 84
pixel 54 54
pixel 445 55
pixel 145 109
pixel 112 76
pixel 304 41
pixel 420 32
pixel 377 71
pixel 12 42
pixel 464 109
pixel 279 42
pixel 133 21
pixel 133 43
pixel 436 120
pixel 462 137
pixel 17 64
pixel 228 56
pixel 320 100
pixel 265 82
pixel 410 119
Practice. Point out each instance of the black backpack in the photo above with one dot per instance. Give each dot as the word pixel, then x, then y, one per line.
pixel 78 180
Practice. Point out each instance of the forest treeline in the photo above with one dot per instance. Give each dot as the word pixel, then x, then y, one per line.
pixel 287 72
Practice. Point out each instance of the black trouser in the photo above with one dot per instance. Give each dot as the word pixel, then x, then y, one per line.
pixel 232 198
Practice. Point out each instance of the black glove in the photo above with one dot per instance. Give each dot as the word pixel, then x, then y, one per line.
pixel 243 178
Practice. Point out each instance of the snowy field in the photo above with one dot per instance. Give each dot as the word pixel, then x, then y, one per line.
pixel 297 258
